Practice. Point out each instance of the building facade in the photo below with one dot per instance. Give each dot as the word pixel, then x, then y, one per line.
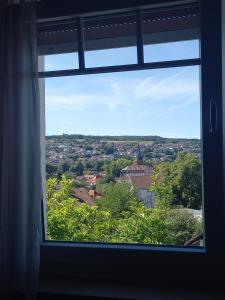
pixel 139 176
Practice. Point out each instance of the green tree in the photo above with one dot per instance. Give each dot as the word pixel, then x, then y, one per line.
pixel 65 167
pixel 59 172
pixel 50 169
pixel 144 226
pixel 108 149
pixel 114 168
pixel 148 152
pixel 178 183
pixel 66 220
pixel 97 165
pixel 77 168
pixel 119 199
pixel 183 227
pixel 102 187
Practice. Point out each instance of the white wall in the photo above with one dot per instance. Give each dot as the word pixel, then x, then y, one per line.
pixel 147 197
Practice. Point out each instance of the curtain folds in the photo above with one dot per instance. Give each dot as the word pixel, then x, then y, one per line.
pixel 20 175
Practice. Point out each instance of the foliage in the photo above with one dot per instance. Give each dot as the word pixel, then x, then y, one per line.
pixel 130 138
pixel 119 198
pixel 102 186
pixel 114 168
pixel 144 226
pixel 50 170
pixel 126 220
pixel 184 226
pixel 77 169
pixel 178 183
pixel 66 220
pixel 80 183
pixel 148 152
pixel 107 149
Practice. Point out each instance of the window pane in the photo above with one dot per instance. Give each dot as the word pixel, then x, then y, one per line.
pixel 57 47
pixel 63 61
pixel 123 157
pixel 171 35
pixel 110 41
pixel 165 51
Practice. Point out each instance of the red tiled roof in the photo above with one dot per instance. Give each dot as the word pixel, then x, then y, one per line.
pixel 83 196
pixel 140 182
pixel 94 194
pixel 136 168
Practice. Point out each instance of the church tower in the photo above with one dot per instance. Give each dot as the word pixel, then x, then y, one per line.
pixel 139 157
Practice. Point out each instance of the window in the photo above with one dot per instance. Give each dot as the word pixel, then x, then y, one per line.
pixel 100 127
pixel 147 47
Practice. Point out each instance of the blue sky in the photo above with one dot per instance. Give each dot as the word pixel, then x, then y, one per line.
pixel 163 102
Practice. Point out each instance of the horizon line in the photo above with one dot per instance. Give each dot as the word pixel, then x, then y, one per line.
pixel 123 135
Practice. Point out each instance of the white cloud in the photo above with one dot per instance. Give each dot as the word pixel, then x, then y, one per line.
pixel 79 102
pixel 173 108
pixel 114 92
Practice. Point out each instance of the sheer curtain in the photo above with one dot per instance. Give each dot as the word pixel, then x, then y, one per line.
pixel 20 182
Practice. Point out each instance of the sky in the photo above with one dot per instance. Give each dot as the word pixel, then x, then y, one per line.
pixel 164 102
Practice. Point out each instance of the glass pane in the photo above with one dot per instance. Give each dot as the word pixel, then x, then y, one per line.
pixel 165 51
pixel 110 41
pixel 123 157
pixel 63 61
pixel 57 47
pixel 171 35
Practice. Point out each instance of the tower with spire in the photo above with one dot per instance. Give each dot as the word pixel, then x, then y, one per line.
pixel 139 157
pixel 138 168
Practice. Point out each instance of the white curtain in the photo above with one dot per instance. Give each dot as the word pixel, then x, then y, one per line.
pixel 20 176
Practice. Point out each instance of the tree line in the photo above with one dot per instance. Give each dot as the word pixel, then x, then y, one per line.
pixel 127 138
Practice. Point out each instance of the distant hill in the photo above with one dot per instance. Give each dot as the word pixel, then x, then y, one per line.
pixel 127 138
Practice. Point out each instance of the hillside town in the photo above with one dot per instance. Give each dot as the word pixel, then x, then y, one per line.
pixel 85 159
pixel 59 150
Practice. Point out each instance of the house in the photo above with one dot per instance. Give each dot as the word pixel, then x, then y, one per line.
pixel 85 196
pixel 138 168
pixel 92 179
pixel 139 176
pixel 142 185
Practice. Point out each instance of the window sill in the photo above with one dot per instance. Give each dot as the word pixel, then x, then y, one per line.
pixel 112 290
pixel 193 267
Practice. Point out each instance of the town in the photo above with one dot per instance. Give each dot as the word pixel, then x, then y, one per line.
pixel 71 148
pixel 90 161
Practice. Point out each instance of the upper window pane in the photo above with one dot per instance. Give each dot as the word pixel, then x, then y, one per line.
pixel 57 47
pixel 110 41
pixel 171 35
pixel 64 61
